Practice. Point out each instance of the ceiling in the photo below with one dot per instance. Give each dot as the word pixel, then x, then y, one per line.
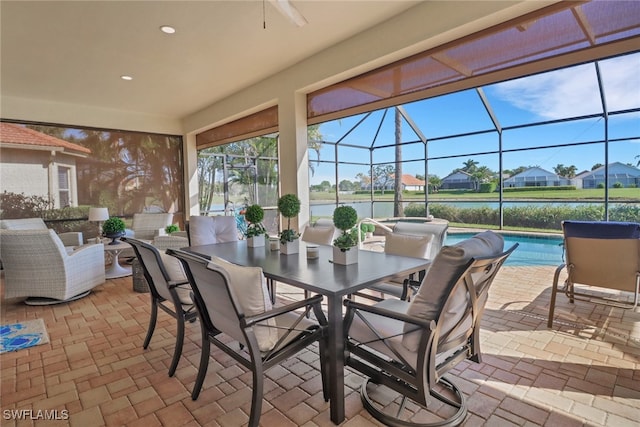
pixel 75 51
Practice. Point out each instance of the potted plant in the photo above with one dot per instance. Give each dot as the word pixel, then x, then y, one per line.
pixel 172 228
pixel 113 228
pixel 255 232
pixel 289 207
pixel 345 246
pixel 367 229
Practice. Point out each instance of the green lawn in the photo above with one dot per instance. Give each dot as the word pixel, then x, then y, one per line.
pixel 615 194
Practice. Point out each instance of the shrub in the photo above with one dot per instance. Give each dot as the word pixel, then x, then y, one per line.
pixel 487 187
pixel 618 185
pixel 600 185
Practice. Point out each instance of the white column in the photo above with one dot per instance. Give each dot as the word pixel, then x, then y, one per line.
pixel 292 152
pixel 190 155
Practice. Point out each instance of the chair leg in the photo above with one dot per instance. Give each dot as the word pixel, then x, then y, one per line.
pixel 554 294
pixel 256 397
pixel 179 343
pixel 152 323
pixel 204 365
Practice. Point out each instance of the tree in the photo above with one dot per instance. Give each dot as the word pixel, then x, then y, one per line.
pixel 383 174
pixel 596 166
pixel 470 166
pixel 483 174
pixel 346 185
pixel 365 180
pixel 398 209
pixel 565 171
pixel 434 183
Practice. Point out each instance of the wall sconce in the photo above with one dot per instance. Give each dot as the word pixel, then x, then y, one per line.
pixel 98 215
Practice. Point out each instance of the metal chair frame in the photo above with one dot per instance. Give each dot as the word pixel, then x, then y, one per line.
pixel 420 382
pixel 156 275
pixel 244 349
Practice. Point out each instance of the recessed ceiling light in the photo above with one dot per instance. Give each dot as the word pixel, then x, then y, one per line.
pixel 125 77
pixel 167 29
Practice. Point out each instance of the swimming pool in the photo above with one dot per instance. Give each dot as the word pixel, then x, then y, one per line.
pixel 533 250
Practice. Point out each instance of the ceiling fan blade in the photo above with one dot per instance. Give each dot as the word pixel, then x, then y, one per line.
pixel 288 10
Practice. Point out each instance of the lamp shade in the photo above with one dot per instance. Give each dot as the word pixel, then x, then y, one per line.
pixel 98 214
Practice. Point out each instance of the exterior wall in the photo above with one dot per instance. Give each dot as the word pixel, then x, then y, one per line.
pixel 25 172
pixel 35 173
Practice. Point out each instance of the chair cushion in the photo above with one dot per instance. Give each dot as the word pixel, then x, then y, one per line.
pixel 250 290
pixel 177 274
pixel 318 235
pixel 406 245
pixel 445 269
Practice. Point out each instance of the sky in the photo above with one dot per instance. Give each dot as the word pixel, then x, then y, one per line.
pixel 554 95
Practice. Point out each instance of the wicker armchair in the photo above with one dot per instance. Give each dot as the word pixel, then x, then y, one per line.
pixel 37 265
pixel 70 239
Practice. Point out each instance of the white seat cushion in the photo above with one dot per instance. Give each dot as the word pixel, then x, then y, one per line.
pixel 177 274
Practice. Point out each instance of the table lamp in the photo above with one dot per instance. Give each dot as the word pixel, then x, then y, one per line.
pixel 98 215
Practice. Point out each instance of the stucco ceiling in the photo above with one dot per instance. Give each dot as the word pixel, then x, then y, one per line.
pixel 75 51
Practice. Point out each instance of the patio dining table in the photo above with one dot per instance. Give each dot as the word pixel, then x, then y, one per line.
pixel 321 276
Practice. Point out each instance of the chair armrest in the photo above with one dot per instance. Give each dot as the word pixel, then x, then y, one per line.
pixel 315 300
pixel 71 238
pixel 176 283
pixel 351 305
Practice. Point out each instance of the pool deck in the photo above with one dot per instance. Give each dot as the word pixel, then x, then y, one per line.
pixel 585 371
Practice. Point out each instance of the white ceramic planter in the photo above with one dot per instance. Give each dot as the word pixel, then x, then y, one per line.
pixel 290 248
pixel 346 257
pixel 256 242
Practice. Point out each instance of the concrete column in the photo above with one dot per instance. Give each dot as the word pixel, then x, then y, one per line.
pixel 292 152
pixel 190 155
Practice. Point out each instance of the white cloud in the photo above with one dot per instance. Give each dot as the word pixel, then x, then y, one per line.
pixel 574 91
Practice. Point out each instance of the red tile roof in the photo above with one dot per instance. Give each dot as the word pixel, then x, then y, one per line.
pixel 11 133
pixel 410 180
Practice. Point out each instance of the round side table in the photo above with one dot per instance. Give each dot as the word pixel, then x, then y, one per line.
pixel 115 270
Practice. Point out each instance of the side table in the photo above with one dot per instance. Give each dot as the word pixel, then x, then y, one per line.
pixel 115 270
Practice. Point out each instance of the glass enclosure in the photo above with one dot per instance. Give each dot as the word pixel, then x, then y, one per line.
pixel 520 154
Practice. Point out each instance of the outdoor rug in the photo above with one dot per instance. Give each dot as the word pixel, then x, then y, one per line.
pixel 22 335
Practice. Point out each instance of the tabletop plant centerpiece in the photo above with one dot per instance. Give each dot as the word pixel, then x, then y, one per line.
pixel 113 228
pixel 289 207
pixel 345 246
pixel 255 232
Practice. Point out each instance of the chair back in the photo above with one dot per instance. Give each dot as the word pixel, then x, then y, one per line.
pixel 319 234
pixel 460 315
pixel 217 305
pixel 146 225
pixel 437 230
pixel 23 224
pixel 207 230
pixel 153 266
pixel 603 254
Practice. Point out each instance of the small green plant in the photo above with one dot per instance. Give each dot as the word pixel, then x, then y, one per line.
pixel 345 219
pixel 254 215
pixel 289 207
pixel 171 228
pixel 113 226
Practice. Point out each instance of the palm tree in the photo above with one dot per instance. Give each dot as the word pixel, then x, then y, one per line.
pixel 470 166
pixel 398 209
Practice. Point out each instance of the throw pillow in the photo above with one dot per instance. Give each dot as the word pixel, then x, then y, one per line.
pixel 176 274
pixel 249 287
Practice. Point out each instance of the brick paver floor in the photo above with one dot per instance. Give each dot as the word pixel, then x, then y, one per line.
pixel 584 371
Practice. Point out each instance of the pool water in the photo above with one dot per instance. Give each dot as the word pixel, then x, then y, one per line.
pixel 533 250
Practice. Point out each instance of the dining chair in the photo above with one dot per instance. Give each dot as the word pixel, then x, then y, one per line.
pixel 418 240
pixel 599 254
pixel 236 315
pixel 169 289
pixel 409 347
